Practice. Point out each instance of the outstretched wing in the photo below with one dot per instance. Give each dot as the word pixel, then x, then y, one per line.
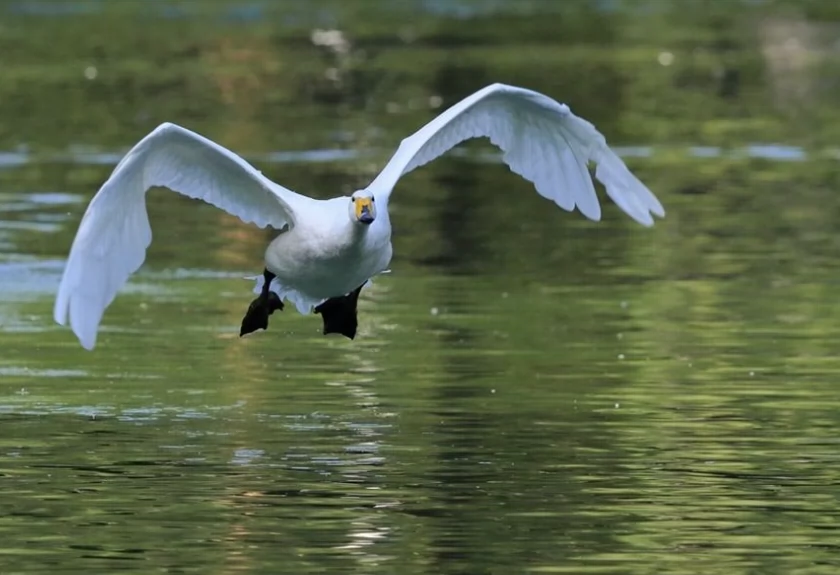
pixel 114 233
pixel 542 140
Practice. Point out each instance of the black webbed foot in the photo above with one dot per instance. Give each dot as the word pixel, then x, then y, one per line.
pixel 339 314
pixel 266 304
pixel 257 315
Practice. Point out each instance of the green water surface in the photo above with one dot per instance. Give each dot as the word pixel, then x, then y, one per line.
pixel 530 392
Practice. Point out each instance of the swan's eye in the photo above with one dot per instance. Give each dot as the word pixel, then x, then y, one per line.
pixel 372 199
pixel 353 200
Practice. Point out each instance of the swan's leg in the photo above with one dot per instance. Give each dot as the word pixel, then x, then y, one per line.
pixel 266 304
pixel 339 314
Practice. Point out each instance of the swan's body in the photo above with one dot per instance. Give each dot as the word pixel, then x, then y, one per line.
pixel 324 257
pixel 328 249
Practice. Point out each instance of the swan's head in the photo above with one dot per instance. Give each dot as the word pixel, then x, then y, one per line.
pixel 362 207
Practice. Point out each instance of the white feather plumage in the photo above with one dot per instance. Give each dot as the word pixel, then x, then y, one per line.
pixel 541 140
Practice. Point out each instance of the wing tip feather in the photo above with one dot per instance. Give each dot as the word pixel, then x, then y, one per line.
pixel 594 216
pixel 60 310
pixel 88 344
pixel 625 189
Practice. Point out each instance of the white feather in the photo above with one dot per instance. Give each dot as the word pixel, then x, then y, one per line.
pixel 324 253
pixel 114 233
pixel 542 140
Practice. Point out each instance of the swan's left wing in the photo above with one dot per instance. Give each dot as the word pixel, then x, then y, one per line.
pixel 114 233
pixel 542 140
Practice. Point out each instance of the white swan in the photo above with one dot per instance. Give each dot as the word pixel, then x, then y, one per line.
pixel 328 249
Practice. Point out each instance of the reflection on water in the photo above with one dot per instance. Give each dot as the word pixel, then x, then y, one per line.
pixel 530 392
pixel 758 151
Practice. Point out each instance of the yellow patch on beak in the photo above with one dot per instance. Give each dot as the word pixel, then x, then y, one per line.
pixel 364 210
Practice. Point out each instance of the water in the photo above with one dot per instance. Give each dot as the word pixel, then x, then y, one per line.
pixel 530 392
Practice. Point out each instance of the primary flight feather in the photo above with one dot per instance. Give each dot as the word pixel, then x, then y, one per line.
pixel 328 249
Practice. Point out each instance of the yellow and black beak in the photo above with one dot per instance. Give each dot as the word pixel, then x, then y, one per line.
pixel 365 210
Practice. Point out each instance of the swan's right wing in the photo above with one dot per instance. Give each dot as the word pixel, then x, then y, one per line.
pixel 542 140
pixel 114 233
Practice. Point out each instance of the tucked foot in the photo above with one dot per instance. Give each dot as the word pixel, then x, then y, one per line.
pixel 339 314
pixel 266 304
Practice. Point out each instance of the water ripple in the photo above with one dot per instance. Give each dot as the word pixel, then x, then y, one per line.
pixel 765 151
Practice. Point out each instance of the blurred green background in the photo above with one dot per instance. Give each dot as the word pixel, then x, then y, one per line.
pixel 530 392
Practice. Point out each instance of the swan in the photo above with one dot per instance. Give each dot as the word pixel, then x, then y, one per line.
pixel 327 250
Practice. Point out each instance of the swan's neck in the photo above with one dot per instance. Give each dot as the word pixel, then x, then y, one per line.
pixel 356 237
pixel 358 232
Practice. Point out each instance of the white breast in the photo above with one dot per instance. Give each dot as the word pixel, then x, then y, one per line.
pixel 328 259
